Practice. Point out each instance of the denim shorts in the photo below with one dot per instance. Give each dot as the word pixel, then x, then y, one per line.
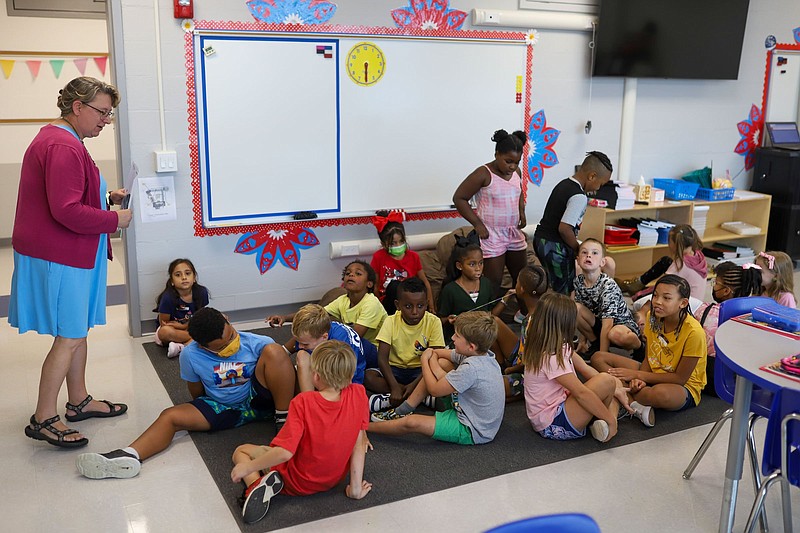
pixel 561 428
pixel 689 403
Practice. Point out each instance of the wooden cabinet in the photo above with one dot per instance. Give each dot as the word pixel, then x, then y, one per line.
pixel 746 206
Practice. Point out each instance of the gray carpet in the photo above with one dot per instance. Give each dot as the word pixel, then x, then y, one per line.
pixel 403 467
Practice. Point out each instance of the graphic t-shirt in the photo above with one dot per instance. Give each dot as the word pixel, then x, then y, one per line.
pixel 226 379
pixel 389 268
pixel 179 310
pixel 347 335
pixel 406 343
pixel 369 312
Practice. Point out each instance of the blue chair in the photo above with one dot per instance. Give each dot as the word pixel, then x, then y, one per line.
pixel 724 385
pixel 563 523
pixel 781 455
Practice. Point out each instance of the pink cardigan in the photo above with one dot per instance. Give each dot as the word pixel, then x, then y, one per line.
pixel 59 213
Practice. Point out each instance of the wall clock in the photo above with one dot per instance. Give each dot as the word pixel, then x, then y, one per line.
pixel 365 64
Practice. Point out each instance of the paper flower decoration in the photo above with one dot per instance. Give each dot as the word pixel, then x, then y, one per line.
pixel 531 37
pixel 796 33
pixel 282 245
pixel 429 15
pixel 541 154
pixel 291 11
pixel 750 132
pixel 770 42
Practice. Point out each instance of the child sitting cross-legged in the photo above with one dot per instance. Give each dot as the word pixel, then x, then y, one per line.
pixel 401 341
pixel 559 405
pixel 604 319
pixel 473 390
pixel 324 438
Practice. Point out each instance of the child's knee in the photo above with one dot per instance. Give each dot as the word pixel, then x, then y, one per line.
pixel 303 360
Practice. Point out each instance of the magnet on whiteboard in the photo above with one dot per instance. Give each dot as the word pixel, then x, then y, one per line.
pixel 209 51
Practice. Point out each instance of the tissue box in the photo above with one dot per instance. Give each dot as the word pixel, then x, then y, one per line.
pixel 656 196
pixel 642 192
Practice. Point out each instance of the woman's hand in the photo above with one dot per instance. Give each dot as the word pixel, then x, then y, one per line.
pixel 124 217
pixel 117 196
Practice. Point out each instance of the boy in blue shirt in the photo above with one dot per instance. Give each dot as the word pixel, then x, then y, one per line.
pixel 556 237
pixel 311 326
pixel 234 377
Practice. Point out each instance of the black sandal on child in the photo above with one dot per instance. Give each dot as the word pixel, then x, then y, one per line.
pixel 115 409
pixel 34 431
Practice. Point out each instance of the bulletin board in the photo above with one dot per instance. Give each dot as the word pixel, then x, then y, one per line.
pixel 782 84
pixel 281 121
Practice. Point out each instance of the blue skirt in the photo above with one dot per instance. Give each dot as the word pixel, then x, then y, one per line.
pixel 58 300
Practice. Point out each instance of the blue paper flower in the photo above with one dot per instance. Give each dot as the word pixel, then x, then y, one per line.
pixel 429 15
pixel 282 245
pixel 750 133
pixel 292 11
pixel 796 33
pixel 541 154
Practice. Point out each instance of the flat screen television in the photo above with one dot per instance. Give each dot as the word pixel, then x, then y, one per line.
pixel 688 39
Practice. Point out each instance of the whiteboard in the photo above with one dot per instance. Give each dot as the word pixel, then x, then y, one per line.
pixel 282 128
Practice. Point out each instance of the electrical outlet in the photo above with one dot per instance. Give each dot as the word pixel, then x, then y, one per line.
pixel 166 161
pixel 349 250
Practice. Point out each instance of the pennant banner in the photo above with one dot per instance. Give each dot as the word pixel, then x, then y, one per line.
pixel 80 63
pixel 33 66
pixel 7 65
pixel 57 65
pixel 101 64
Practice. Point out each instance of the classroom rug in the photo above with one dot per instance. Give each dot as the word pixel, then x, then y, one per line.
pixel 403 467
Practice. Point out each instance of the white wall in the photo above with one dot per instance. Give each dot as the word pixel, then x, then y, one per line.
pixel 679 126
pixel 24 97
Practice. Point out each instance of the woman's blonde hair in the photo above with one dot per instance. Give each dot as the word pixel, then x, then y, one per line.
pixel 552 327
pixel 335 363
pixel 84 89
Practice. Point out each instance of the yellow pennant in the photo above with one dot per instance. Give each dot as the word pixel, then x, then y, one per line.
pixel 7 65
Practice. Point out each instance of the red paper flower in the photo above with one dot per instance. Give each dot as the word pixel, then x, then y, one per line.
pixel 283 245
pixel 750 132
pixel 429 15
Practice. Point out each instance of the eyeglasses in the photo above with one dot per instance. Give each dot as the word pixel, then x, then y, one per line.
pixel 105 114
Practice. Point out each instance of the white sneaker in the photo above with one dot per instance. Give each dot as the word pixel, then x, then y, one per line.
pixel 117 463
pixel 379 402
pixel 174 349
pixel 599 429
pixel 519 317
pixel 645 413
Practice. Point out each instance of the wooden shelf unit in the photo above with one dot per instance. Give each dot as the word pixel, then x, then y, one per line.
pixel 749 207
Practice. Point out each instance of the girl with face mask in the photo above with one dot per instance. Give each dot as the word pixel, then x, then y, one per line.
pixel 394 262
pixel 733 281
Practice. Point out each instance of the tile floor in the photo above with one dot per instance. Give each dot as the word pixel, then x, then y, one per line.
pixel 631 488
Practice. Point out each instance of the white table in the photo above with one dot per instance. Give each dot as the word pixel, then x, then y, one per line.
pixel 745 349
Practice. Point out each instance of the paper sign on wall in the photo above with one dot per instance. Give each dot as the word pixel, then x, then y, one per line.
pixel 157 199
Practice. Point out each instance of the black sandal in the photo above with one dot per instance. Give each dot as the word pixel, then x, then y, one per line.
pixel 80 414
pixel 34 431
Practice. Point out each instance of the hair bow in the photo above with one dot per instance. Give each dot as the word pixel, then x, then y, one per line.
pixel 380 221
pixel 770 259
pixel 750 265
pixel 471 238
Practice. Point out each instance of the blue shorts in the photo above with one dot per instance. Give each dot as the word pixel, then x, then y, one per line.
pixel 404 376
pixel 559 261
pixel 561 428
pixel 689 403
pixel 258 406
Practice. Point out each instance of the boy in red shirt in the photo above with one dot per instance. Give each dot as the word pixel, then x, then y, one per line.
pixel 324 437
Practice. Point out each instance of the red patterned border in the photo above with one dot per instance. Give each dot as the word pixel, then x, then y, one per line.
pixel 197 208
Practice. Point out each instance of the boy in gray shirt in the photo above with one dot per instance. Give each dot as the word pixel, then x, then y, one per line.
pixel 470 380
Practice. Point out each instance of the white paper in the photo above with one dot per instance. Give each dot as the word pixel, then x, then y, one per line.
pixel 157 199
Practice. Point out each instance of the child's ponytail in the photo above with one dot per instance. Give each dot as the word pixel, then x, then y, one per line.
pixel 462 248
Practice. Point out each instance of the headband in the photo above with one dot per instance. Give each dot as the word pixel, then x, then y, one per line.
pixel 770 259
pixel 394 216
pixel 471 238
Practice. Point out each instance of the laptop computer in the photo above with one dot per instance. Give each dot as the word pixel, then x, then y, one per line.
pixel 783 135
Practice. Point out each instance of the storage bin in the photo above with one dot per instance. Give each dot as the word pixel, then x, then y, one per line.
pixel 714 195
pixel 677 189
pixel 778 316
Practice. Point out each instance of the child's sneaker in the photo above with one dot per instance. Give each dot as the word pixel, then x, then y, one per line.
pixel 258 494
pixel 599 429
pixel 645 413
pixel 174 349
pixel 385 416
pixel 117 463
pixel 378 402
pixel 519 317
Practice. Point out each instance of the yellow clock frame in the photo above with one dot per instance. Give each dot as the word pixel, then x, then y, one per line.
pixel 366 64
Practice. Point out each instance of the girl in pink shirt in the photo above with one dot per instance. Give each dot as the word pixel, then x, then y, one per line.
pixel 558 404
pixel 777 277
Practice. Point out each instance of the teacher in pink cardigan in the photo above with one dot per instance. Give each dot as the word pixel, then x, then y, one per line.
pixel 61 245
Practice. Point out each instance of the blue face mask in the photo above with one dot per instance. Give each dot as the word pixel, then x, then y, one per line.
pixel 398 250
